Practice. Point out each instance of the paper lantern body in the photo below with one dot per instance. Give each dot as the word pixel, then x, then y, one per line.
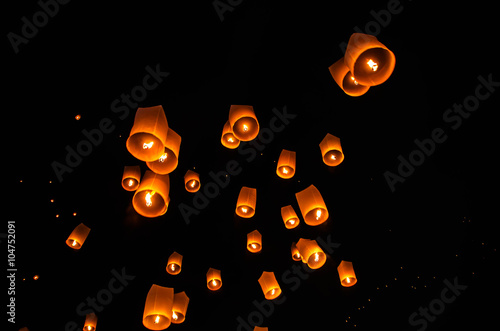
pixel 370 62
pixel 259 328
pixel 247 200
pixel 254 241
pixel 214 280
pixel 78 236
pixel 286 164
pixel 192 181
pixel 151 198
pixel 289 217
pixel 169 159
pixel 346 274
pixel 295 253
pixel 331 150
pixel 90 322
pixel 345 80
pixel 228 139
pixel 158 309
pixel 269 285
pixel 311 253
pixel 131 178
pixel 174 264
pixel 312 206
pixel 149 133
pixel 243 122
pixel 180 306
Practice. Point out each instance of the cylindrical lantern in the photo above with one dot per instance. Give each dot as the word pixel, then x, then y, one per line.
pixel 131 177
pixel 370 62
pixel 151 199
pixel 243 122
pixel 343 77
pixel 214 280
pixel 289 217
pixel 254 241
pixel 311 253
pixel 192 181
pixel 149 133
pixel 78 236
pixel 228 139
pixel 174 263
pixel 331 150
pixel 286 164
pixel 259 328
pixel 158 309
pixel 180 307
pixel 269 285
pixel 295 253
pixel 312 206
pixel 169 159
pixel 90 322
pixel 346 274
pixel 247 199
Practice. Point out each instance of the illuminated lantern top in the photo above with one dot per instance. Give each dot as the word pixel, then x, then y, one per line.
pixel 228 139
pixel 331 150
pixel 269 285
pixel 247 199
pixel 158 309
pixel 131 178
pixel 346 274
pixel 343 77
pixel 312 206
pixel 169 159
pixel 286 164
pixel 243 122
pixel 78 236
pixel 151 199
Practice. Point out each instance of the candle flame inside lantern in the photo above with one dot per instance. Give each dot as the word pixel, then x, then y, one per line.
pixel 89 328
pixel 318 215
pixel 157 319
pixel 147 145
pixel 244 209
pixel 333 157
pixel 272 291
pixel 347 280
pixel 297 255
pixel 130 182
pixel 253 246
pixel 172 266
pixel 163 157
pixel 174 316
pixel 214 282
pixel 354 81
pixel 73 243
pixel 292 222
pixel 245 127
pixel 373 65
pixel 316 257
pixel 148 198
pixel 230 139
pixel 285 171
pixel 193 183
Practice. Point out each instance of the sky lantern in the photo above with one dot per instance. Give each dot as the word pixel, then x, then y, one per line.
pixel 180 307
pixel 228 139
pixel 311 253
pixel 243 122
pixel 345 80
pixel 254 241
pixel 295 253
pixel 247 199
pixel 151 199
pixel 158 309
pixel 269 285
pixel 289 217
pixel 90 322
pixel 131 177
pixel 174 263
pixel 149 133
pixel 312 206
pixel 286 164
pixel 78 236
pixel 369 61
pixel 192 181
pixel 346 274
pixel 169 159
pixel 260 328
pixel 214 280
pixel 331 150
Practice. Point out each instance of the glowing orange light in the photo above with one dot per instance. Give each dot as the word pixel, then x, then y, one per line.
pixel 244 209
pixel 373 65
pixel 174 316
pixel 157 319
pixel 318 214
pixel 245 127
pixel 148 198
pixel 74 243
pixel 163 157
pixel 147 145
pixel 230 139
pixel 77 117
pixel 35 277
pixel 354 81
pixel 130 182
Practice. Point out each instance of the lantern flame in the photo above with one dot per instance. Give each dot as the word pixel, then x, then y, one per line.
pixel 73 243
pixel 244 209
pixel 253 246
pixel 245 127
pixel 347 280
pixel 163 157
pixel 214 282
pixel 174 316
pixel 285 171
pixel 272 291
pixel 230 139
pixel 157 319
pixel 172 266
pixel 130 182
pixel 373 65
pixel 318 214
pixel 148 198
pixel 333 157
pixel 297 255
pixel 89 328
pixel 193 183
pixel 316 257
pixel 292 222
pixel 147 145
pixel 354 81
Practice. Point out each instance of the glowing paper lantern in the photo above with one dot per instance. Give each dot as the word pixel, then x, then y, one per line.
pixel 331 150
pixel 78 236
pixel 343 77
pixel 214 280
pixel 90 322
pixel 228 139
pixel 295 253
pixel 149 133
pixel 180 307
pixel 311 253
pixel 286 164
pixel 243 122
pixel 151 199
pixel 158 309
pixel 258 328
pixel 370 62
pixel 169 159
pixel 346 274
pixel 131 178
pixel 254 241
pixel 174 263
pixel 312 206
pixel 247 199
pixel 269 285
pixel 289 217
pixel 192 181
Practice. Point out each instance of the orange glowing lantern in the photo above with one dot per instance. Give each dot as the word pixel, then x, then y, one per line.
pixel 295 253
pixel 254 241
pixel 214 280
pixel 247 199
pixel 192 181
pixel 90 322
pixel 370 62
pixel 331 150
pixel 243 122
pixel 346 274
pixel 151 199
pixel 78 236
pixel 286 164
pixel 290 217
pixel 149 133
pixel 312 206
pixel 174 263
pixel 168 161
pixel 259 328
pixel 158 309
pixel 131 178
pixel 269 285
pixel 180 307
pixel 311 253
pixel 343 77
pixel 228 139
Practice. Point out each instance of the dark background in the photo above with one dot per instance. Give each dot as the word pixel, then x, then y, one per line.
pixel 439 224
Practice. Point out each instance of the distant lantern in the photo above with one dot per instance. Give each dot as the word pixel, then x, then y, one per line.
pixel 312 206
pixel 214 280
pixel 174 263
pixel 158 309
pixel 269 285
pixel 77 117
pixel 331 150
pixel 180 307
pixel 254 241
pixel 289 217
pixel 247 199
pixel 151 199
pixel 169 159
pixel 243 122
pixel 192 181
pixel 259 328
pixel 346 274
pixel 149 133
pixel 228 139
pixel 311 253
pixel 90 322
pixel 370 62
pixel 131 178
pixel 345 80
pixel 78 236
pixel 295 253
pixel 286 164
